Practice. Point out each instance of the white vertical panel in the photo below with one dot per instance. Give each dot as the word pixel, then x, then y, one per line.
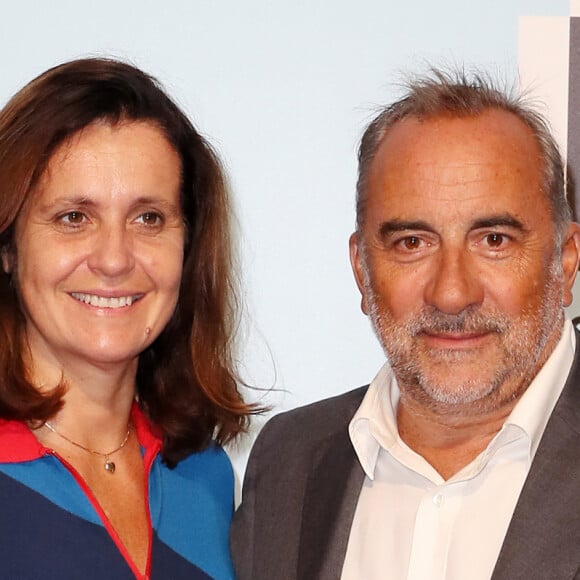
pixel 544 46
pixel 544 60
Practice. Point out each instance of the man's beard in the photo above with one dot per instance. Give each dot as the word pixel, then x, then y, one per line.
pixel 434 377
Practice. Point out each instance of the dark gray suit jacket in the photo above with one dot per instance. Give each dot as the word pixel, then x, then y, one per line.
pixel 303 481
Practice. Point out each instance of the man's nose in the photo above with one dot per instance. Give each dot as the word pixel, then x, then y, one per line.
pixel 455 283
pixel 112 251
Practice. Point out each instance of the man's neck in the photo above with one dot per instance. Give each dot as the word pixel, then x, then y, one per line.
pixel 448 442
pixel 450 436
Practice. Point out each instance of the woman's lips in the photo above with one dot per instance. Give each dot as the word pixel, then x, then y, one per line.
pixel 101 301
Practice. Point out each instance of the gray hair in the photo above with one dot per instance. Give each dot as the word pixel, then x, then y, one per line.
pixel 457 94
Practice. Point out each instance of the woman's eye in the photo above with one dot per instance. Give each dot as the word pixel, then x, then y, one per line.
pixel 150 218
pixel 73 218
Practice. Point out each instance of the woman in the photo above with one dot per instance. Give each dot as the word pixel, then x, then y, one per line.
pixel 117 382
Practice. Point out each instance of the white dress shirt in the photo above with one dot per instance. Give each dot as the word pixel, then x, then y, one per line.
pixel 409 522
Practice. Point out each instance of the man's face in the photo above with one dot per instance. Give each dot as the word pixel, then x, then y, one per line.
pixel 456 260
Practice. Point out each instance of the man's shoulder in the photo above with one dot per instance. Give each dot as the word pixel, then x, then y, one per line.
pixel 327 412
pixel 311 423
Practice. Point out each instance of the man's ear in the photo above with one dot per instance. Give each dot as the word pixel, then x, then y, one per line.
pixel 7 257
pixel 358 267
pixel 570 261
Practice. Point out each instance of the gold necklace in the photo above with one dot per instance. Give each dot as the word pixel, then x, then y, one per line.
pixel 109 465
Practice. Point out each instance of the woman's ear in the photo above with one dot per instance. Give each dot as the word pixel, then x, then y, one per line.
pixel 7 257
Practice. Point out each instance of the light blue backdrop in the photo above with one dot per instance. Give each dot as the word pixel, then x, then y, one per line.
pixel 283 90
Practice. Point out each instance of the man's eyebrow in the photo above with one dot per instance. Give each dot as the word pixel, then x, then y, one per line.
pixel 392 226
pixel 493 221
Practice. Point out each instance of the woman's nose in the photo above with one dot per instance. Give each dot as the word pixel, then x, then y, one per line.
pixel 112 251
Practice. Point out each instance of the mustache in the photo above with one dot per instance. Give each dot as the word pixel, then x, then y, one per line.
pixel 467 321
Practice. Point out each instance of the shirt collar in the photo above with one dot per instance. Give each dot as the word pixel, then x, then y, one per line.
pixel 534 408
pixel 374 425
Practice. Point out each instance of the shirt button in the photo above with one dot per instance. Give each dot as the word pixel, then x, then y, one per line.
pixel 439 499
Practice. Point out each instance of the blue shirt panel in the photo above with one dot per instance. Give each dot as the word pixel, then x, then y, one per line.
pixel 39 539
pixel 191 507
pixel 194 512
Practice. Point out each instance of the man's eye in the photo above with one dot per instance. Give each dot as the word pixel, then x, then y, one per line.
pixel 410 243
pixel 495 240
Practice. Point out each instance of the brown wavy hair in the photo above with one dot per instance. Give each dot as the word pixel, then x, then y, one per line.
pixel 187 382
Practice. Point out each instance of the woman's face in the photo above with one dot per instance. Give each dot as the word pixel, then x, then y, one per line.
pixel 99 247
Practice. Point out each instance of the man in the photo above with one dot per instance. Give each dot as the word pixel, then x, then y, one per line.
pixel 461 460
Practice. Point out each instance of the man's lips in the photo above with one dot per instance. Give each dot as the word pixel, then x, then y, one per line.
pixel 455 340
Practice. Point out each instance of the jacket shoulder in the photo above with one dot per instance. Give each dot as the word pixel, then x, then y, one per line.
pixel 266 527
pixel 306 426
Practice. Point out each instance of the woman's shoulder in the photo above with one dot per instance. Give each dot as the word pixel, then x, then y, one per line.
pixel 212 463
pixel 193 503
pixel 213 456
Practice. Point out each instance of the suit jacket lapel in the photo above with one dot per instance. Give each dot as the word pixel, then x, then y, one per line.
pixel 543 539
pixel 330 501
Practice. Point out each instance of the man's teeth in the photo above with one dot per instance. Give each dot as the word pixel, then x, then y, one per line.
pixel 103 302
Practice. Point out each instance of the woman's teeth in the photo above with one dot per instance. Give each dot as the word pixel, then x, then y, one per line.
pixel 103 302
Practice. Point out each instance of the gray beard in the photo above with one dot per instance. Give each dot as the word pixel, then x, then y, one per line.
pixel 523 342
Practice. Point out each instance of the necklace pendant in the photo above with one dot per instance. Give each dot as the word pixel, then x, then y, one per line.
pixel 109 465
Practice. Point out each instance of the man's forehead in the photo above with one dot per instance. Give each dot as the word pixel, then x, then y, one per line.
pixel 458 134
pixel 464 206
pixel 460 169
pixel 451 152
